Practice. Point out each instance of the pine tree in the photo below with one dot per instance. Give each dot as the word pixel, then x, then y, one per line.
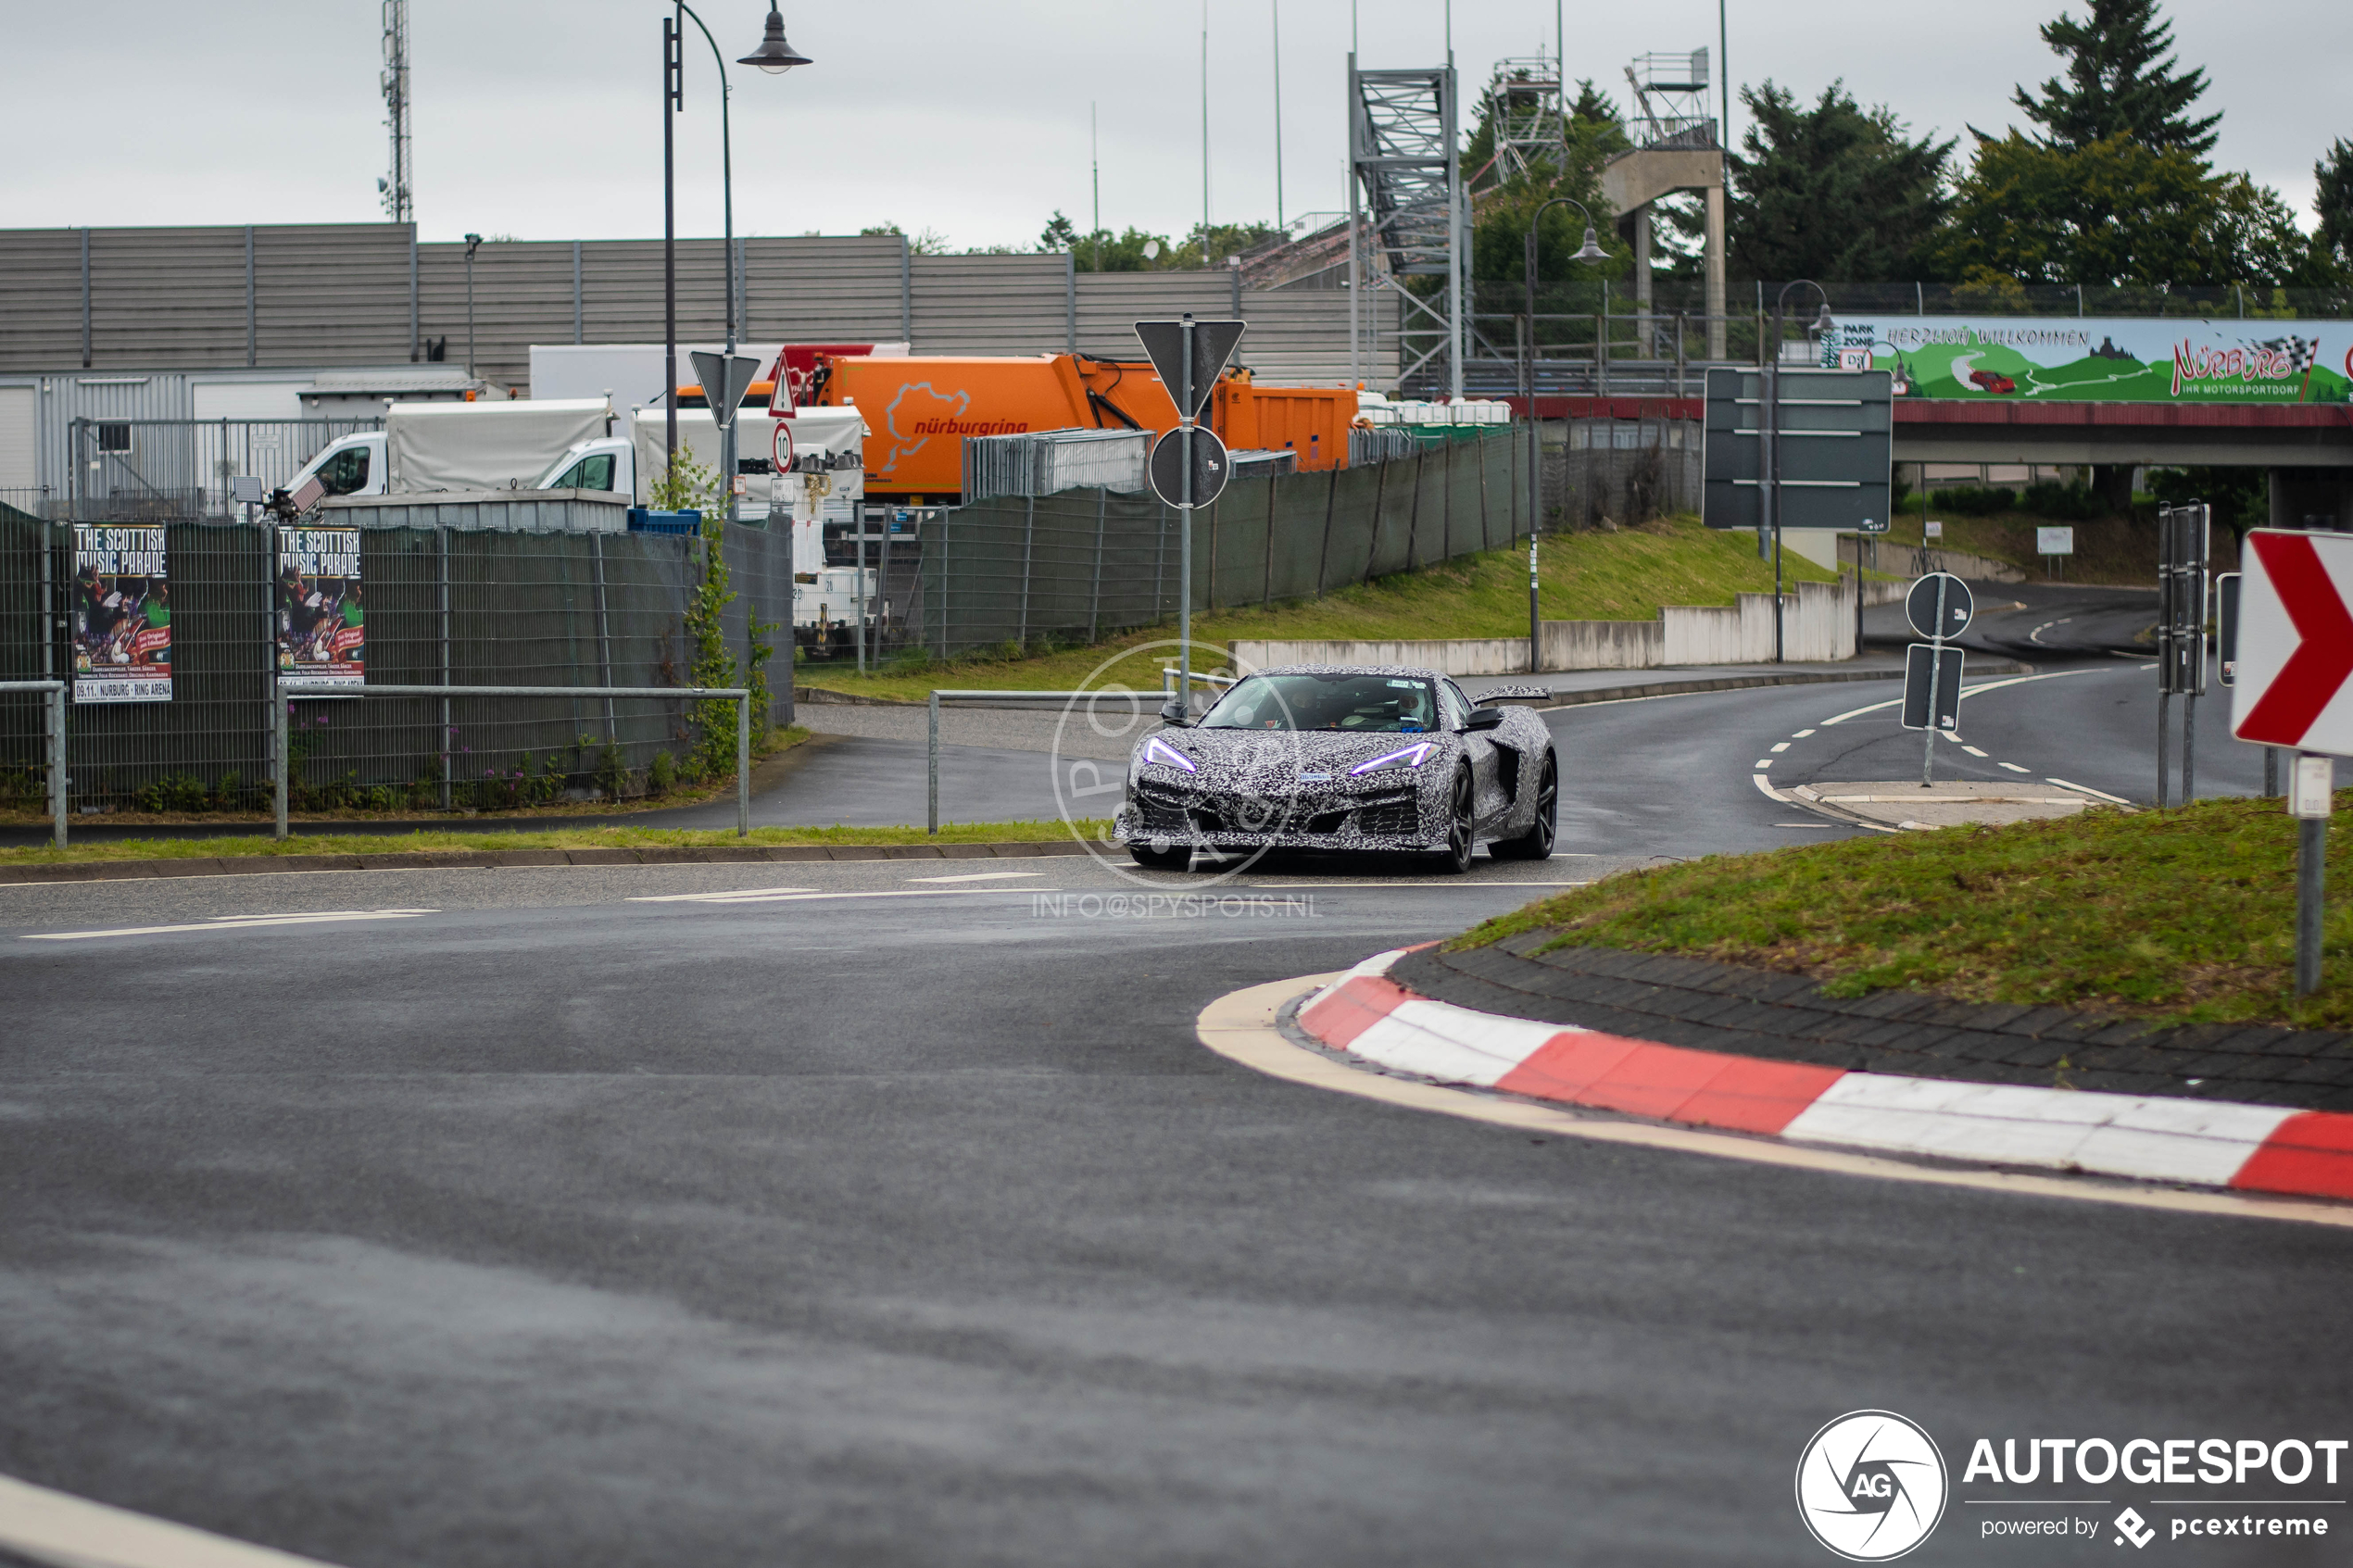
pixel 1832 191
pixel 2120 82
pixel 2333 202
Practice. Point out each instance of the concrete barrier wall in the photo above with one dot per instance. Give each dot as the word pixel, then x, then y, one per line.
pixel 1819 628
pixel 1906 558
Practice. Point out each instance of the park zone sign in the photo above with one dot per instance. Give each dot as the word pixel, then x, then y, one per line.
pixel 2296 641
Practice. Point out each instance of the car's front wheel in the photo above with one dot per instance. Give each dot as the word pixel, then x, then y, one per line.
pixel 1462 832
pixel 1536 843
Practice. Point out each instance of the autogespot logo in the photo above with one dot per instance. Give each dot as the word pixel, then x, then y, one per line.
pixel 1871 1486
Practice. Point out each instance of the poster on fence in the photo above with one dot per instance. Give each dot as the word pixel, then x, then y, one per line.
pixel 122 616
pixel 322 630
pixel 2122 360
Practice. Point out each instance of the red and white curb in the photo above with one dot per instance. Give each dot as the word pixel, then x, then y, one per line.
pixel 2204 1143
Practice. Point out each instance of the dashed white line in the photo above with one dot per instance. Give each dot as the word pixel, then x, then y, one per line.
pixel 978 876
pixel 1780 747
pixel 790 895
pixel 1764 762
pixel 2015 768
pixel 718 897
pixel 232 922
pixel 1801 734
pixel 1973 752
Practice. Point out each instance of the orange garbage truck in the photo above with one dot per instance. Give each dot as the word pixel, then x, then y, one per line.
pixel 919 409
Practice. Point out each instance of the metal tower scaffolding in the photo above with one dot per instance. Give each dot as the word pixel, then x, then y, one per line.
pixel 1406 216
pixel 394 186
pixel 1670 101
pixel 1524 107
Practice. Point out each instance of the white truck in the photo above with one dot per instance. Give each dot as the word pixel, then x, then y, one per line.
pixel 455 447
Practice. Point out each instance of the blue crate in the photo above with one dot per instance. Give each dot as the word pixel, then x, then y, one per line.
pixel 644 520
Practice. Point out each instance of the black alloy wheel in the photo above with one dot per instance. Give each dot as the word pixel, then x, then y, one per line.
pixel 1536 843
pixel 1462 834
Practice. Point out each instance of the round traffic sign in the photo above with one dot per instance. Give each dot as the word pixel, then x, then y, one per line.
pixel 1166 466
pixel 780 446
pixel 1939 606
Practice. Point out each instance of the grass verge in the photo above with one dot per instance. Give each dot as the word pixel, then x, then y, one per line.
pixel 425 839
pixel 1628 574
pixel 2115 552
pixel 776 744
pixel 2184 916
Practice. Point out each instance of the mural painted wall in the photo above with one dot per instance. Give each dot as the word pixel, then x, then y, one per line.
pixel 2136 359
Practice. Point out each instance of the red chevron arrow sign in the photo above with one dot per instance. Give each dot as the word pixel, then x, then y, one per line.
pixel 2296 641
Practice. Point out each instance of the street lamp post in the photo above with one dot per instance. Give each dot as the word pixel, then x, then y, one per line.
pixel 1771 406
pixel 775 56
pixel 1589 253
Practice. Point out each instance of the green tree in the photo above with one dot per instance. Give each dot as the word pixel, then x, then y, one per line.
pixel 2120 82
pixel 2115 212
pixel 1832 191
pixel 2332 242
pixel 1058 235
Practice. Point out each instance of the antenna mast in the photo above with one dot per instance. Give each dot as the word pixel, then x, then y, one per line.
pixel 397 203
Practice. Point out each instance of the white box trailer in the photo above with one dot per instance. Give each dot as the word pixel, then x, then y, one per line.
pixel 484 446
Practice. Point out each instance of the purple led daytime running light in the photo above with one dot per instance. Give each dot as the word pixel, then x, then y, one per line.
pixel 1159 750
pixel 1413 757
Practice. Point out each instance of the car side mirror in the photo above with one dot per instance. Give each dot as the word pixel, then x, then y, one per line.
pixel 1483 719
pixel 1175 713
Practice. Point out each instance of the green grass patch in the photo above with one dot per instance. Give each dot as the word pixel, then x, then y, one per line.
pixel 2186 916
pixel 2114 552
pixel 1628 574
pixel 545 838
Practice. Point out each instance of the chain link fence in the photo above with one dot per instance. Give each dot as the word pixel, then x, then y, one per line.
pixel 1017 570
pixel 438 608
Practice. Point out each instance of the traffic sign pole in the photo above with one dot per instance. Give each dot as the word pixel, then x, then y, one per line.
pixel 1935 669
pixel 1185 521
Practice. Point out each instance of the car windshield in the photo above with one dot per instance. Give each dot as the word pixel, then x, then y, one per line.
pixel 1370 704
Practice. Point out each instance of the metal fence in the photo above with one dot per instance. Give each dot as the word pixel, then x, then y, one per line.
pixel 1014 571
pixel 157 470
pixel 441 607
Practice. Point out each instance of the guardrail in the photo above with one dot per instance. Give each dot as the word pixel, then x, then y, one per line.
pixel 55 737
pixel 740 695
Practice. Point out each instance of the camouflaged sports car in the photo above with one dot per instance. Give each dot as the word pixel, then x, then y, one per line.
pixel 1316 757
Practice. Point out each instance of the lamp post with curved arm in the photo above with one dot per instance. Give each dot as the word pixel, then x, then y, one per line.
pixel 1771 408
pixel 774 56
pixel 1589 253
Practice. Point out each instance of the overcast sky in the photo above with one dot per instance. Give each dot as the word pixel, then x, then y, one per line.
pixel 537 119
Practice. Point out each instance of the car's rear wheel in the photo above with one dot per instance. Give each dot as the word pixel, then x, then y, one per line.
pixel 1536 843
pixel 1461 833
pixel 1175 859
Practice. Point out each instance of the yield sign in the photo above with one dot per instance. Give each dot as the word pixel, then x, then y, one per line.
pixel 2296 641
pixel 1212 343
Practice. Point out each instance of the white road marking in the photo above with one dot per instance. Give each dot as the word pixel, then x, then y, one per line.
pixel 1973 752
pixel 231 922
pixel 1801 734
pixel 1442 884
pixel 1770 792
pixel 2015 768
pixel 1780 747
pixel 59 1527
pixel 713 898
pixel 2087 789
pixel 1764 762
pixel 977 876
pixel 1808 824
pixel 1967 692
pixel 792 896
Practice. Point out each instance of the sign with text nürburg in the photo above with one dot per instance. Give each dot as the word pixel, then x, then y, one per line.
pixel 2296 641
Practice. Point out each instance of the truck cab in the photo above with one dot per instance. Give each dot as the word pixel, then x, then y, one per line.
pixel 350 465
pixel 606 463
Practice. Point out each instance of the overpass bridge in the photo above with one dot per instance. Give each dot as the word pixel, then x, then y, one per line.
pixel 2307 447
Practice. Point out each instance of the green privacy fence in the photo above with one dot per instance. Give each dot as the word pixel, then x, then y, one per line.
pixel 441 607
pixel 1084 563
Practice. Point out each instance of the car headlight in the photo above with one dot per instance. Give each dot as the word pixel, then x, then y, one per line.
pixel 1159 750
pixel 1412 756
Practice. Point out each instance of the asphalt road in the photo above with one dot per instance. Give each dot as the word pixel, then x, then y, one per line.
pixel 628 1215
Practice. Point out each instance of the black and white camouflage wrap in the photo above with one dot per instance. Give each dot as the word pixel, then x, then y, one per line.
pixel 1293 789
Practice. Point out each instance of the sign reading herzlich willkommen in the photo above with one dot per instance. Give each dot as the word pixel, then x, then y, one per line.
pixel 322 628
pixel 123 615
